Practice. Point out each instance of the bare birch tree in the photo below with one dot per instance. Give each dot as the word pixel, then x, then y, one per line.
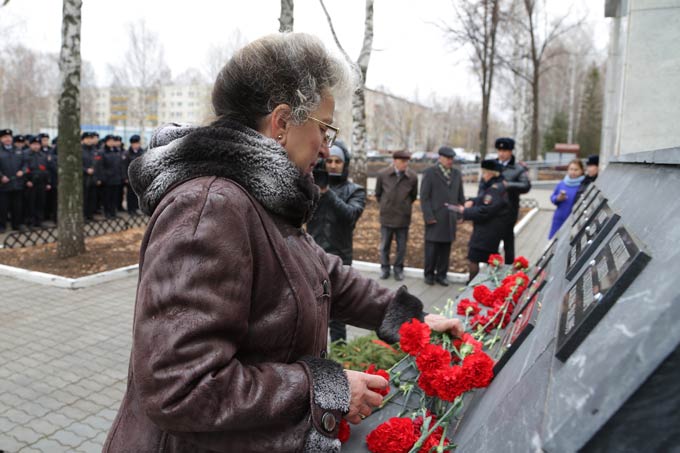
pixel 476 26
pixel 358 165
pixel 71 241
pixel 541 33
pixel 219 54
pixel 286 18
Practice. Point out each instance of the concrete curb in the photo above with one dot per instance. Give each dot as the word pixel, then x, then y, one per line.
pixel 525 220
pixel 65 282
pixel 122 272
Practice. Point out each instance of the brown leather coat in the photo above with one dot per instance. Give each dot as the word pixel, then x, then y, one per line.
pixel 230 329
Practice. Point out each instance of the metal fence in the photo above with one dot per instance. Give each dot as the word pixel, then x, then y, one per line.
pixel 39 236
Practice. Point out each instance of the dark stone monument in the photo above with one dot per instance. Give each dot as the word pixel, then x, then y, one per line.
pixel 593 364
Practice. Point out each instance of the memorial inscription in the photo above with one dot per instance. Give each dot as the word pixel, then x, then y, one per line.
pixel 587 217
pixel 587 198
pixel 518 332
pixel 589 238
pixel 609 274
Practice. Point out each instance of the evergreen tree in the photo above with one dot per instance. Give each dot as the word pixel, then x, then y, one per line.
pixel 590 124
pixel 557 131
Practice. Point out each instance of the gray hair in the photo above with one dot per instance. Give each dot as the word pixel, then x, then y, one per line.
pixel 291 68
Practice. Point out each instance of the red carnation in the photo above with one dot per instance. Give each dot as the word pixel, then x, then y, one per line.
pixel 450 383
pixel 426 382
pixel 483 295
pixel 432 358
pixel 501 293
pixel 414 335
pixel 478 369
pixel 520 263
pixel 343 431
pixel 464 304
pixel 396 435
pixel 495 260
pixel 372 370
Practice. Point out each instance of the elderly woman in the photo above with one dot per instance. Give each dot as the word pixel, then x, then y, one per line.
pixel 233 300
pixel 489 212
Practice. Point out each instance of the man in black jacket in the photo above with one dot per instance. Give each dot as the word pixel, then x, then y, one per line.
pixel 516 181
pixel 592 169
pixel 112 169
pixel 133 152
pixel 11 182
pixel 38 183
pixel 442 186
pixel 341 204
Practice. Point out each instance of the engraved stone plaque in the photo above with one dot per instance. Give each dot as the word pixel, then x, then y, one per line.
pixel 586 200
pixel 517 333
pixel 589 238
pixel 609 274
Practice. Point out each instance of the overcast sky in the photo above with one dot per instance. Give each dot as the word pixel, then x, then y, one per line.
pixel 410 54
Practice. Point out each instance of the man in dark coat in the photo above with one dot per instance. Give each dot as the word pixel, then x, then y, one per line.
pixel 516 181
pixel 133 152
pixel 38 183
pixel 489 212
pixel 51 196
pixel 90 175
pixel 395 189
pixel 11 182
pixel 112 166
pixel 341 204
pixel 442 186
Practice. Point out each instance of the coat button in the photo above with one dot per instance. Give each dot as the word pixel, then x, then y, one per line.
pixel 328 421
pixel 323 354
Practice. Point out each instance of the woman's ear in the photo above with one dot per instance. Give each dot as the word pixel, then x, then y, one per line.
pixel 279 122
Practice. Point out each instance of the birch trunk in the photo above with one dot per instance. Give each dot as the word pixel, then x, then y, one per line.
pixel 71 241
pixel 286 18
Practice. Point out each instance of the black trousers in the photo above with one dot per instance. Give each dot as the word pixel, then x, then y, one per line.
pixel 89 201
pixel 437 259
pixel 132 200
pixel 111 198
pixel 386 235
pixel 509 238
pixel 51 200
pixel 11 202
pixel 34 204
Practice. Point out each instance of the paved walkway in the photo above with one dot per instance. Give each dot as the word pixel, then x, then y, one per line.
pixel 64 359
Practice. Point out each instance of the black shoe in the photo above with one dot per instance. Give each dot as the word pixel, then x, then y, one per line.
pixel 429 281
pixel 443 281
pixel 398 275
pixel 385 275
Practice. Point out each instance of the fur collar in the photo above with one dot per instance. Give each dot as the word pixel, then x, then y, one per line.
pixel 257 163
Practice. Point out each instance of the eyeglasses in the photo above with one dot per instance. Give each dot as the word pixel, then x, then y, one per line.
pixel 329 132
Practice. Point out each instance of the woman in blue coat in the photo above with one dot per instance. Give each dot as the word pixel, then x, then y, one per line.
pixel 564 194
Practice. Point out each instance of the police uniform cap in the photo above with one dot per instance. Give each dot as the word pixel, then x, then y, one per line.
pixel 19 138
pixel 118 138
pixel 108 137
pixel 401 155
pixel 135 139
pixel 43 135
pixel 35 139
pixel 85 135
pixel 447 151
pixel 491 164
pixel 505 143
pixel 4 132
pixel 593 160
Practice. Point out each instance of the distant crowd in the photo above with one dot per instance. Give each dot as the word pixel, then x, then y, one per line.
pixel 29 183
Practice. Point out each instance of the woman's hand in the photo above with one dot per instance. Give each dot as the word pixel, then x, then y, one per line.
pixel 362 398
pixel 440 323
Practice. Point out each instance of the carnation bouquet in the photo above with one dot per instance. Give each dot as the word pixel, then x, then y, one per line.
pixel 431 382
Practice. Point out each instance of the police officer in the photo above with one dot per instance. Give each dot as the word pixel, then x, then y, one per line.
pixel 516 181
pixel 91 177
pixel 11 182
pixel 51 199
pixel 133 152
pixel 341 204
pixel 489 212
pixel 592 169
pixel 112 168
pixel 38 183
pixel 442 186
pixel 20 142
